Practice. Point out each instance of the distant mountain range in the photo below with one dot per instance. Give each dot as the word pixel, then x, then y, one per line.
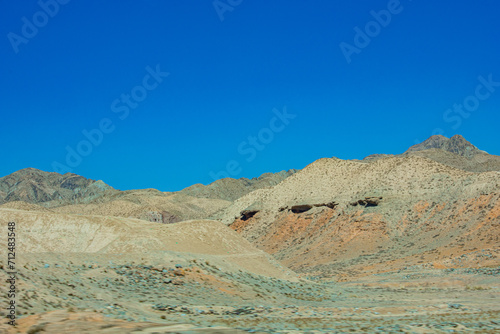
pixel 34 186
pixel 71 193
pixel 33 189
pixel 52 189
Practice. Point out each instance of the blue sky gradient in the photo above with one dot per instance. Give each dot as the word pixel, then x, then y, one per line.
pixel 227 76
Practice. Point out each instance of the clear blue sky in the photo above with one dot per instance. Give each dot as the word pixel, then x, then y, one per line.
pixel 226 77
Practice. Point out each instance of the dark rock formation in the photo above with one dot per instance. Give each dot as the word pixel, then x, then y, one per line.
pixel 367 202
pixel 299 208
pixel 247 214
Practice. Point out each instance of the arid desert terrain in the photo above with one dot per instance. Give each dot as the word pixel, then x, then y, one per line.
pixel 391 243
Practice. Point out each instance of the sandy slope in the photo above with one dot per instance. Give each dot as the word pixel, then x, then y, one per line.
pixel 39 232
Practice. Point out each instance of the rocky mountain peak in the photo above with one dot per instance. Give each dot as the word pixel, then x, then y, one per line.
pixel 456 144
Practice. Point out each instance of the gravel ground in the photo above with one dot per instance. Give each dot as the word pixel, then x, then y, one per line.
pixel 201 295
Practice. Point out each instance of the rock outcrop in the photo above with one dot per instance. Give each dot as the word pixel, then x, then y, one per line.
pixel 367 202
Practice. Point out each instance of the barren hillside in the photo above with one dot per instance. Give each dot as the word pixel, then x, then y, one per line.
pixel 48 232
pixel 346 218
